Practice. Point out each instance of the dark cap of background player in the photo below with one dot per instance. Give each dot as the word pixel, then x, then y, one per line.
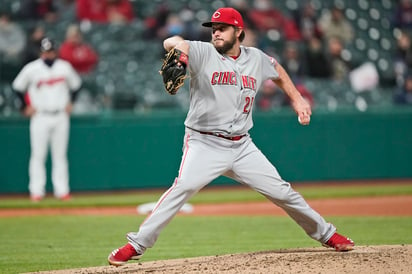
pixel 47 44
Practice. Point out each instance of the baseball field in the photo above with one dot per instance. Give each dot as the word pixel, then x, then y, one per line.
pixel 229 230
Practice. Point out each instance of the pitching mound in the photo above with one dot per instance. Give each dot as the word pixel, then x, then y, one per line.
pixel 364 259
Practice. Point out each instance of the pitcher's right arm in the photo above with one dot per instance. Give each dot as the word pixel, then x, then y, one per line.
pixel 176 42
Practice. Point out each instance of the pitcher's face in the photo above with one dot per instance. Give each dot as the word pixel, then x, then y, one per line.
pixel 223 37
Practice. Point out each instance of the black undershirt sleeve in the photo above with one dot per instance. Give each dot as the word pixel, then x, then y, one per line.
pixel 20 97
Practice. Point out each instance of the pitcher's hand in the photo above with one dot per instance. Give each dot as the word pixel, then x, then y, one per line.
pixel 303 110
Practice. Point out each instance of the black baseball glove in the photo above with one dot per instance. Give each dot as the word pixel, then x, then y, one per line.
pixel 173 70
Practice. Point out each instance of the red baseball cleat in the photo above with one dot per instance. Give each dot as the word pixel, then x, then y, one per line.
pixel 66 197
pixel 121 255
pixel 36 198
pixel 340 243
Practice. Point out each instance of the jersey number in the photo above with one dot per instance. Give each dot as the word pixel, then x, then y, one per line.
pixel 248 104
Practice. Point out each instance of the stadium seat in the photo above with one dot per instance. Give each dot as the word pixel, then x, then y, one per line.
pixel 128 64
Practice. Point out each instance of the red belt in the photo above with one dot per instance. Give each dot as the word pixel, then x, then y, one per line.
pixel 233 138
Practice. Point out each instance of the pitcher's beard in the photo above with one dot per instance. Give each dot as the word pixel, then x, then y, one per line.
pixel 227 45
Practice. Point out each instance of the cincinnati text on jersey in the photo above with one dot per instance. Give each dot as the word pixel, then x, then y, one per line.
pixel 229 78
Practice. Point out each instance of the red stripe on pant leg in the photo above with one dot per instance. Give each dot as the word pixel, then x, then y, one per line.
pixel 184 156
pixel 175 182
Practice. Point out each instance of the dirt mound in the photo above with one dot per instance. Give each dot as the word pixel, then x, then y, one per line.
pixel 364 259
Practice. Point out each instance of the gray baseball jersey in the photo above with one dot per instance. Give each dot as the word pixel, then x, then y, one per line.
pixel 222 90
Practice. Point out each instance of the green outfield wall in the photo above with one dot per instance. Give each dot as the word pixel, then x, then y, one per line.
pixel 129 151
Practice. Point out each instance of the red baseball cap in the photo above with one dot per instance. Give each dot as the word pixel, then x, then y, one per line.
pixel 228 16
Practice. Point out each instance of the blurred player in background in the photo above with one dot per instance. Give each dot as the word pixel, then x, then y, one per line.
pixel 47 87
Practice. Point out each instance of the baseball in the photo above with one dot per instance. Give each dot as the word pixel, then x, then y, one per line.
pixel 301 122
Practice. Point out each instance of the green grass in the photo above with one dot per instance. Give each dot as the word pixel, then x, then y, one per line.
pixel 210 195
pixel 64 242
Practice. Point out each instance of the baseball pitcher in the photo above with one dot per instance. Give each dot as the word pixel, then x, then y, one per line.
pixel 224 79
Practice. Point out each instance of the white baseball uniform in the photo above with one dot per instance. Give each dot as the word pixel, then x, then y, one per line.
pixel 217 142
pixel 49 90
